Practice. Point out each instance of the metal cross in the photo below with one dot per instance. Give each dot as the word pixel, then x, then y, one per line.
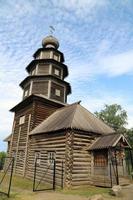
pixel 51 30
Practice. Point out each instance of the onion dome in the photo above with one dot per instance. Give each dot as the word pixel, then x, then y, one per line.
pixel 50 41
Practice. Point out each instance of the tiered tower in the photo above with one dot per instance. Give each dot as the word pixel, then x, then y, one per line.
pixel 47 73
pixel 44 91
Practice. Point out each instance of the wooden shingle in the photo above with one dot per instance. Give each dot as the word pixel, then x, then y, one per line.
pixel 73 116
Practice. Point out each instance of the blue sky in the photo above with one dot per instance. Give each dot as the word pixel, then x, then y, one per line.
pixel 95 36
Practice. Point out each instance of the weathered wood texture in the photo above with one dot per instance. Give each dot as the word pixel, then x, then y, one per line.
pixel 42 110
pixel 68 159
pixel 55 86
pixel 27 88
pixel 81 173
pixel 19 139
pixel 39 111
pixel 44 143
pixel 45 55
pixel 71 147
pixel 43 69
pixel 40 87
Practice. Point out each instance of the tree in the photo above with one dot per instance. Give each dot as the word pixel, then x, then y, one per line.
pixel 129 134
pixel 114 116
pixel 2 159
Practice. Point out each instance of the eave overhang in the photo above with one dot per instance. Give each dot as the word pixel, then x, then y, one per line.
pixel 34 97
pixel 49 77
pixel 47 61
pixel 49 49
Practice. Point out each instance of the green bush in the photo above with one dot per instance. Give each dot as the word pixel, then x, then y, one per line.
pixel 2 159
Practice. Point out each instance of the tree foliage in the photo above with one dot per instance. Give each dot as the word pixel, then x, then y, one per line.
pixel 116 117
pixel 2 159
pixel 113 115
pixel 129 134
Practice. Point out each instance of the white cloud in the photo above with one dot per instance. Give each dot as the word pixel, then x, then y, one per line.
pixel 91 41
pixel 80 6
pixel 108 65
pixel 97 103
pixel 116 65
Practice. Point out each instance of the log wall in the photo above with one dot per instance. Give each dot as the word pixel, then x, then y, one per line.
pixel 34 114
pixel 82 159
pixel 41 111
pixel 69 146
pixel 69 159
pixel 19 139
pixel 44 143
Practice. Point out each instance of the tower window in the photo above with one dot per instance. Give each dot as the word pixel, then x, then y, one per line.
pixel 57 92
pixel 22 120
pixel 26 93
pixel 55 57
pixel 56 72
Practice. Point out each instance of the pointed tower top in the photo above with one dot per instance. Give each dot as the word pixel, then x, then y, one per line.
pixel 50 41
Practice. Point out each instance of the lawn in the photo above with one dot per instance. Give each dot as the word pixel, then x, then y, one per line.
pixel 22 190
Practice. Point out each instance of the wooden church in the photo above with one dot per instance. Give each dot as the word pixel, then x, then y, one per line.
pixel 46 127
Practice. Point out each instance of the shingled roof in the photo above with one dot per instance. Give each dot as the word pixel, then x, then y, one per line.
pixel 73 116
pixel 8 138
pixel 108 141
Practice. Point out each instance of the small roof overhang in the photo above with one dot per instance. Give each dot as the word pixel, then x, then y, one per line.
pixel 48 49
pixel 47 61
pixel 109 141
pixel 47 77
pixel 39 97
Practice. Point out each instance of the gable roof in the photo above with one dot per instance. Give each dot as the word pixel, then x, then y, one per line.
pixel 108 141
pixel 73 116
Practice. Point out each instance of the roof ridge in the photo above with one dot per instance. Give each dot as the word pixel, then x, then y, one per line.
pixel 98 118
pixel 58 110
pixel 74 114
pixel 68 105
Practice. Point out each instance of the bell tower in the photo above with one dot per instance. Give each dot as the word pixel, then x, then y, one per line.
pixel 47 73
pixel 44 91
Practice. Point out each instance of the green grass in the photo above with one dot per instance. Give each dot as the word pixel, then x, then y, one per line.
pixel 86 191
pixel 22 183
pixel 22 190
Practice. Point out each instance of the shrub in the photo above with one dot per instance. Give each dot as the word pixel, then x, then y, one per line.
pixel 2 159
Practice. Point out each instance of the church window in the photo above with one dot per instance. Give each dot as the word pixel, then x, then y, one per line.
pixel 100 159
pixel 56 72
pixel 55 57
pixel 21 120
pixel 57 92
pixel 37 159
pixel 25 93
pixel 51 157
